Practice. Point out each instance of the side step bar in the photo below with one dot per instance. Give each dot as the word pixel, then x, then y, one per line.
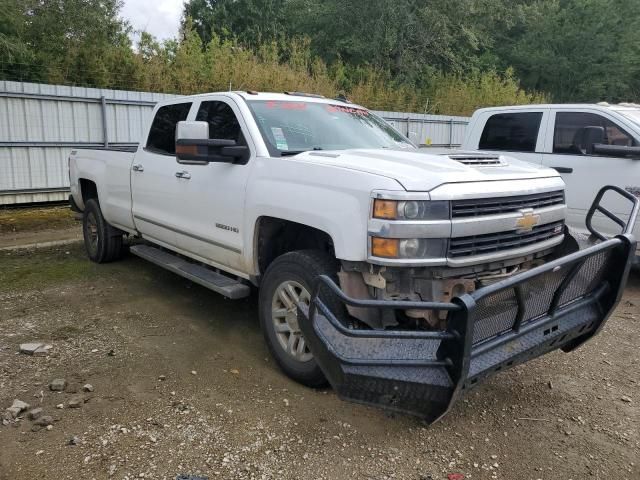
pixel 217 282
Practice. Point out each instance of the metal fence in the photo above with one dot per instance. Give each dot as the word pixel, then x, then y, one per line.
pixel 40 124
pixel 429 130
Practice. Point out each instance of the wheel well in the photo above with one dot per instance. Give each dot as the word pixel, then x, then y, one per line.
pixel 276 237
pixel 88 190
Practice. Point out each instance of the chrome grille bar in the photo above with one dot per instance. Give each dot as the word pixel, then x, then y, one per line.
pixel 498 242
pixel 493 206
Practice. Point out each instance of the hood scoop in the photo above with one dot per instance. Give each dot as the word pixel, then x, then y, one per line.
pixel 479 160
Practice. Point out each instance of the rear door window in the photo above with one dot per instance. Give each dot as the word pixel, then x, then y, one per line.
pixel 569 138
pixel 514 132
pixel 162 136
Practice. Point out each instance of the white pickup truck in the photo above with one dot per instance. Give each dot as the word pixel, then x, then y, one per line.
pixel 591 145
pixel 276 191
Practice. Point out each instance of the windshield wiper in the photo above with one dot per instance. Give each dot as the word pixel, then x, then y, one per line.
pixel 290 153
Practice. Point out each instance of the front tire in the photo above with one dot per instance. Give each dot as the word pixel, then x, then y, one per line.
pixel 288 280
pixel 102 242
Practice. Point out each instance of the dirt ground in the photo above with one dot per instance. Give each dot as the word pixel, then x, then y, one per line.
pixel 183 384
pixel 27 226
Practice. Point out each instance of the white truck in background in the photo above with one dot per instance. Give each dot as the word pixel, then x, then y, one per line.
pixel 590 145
pixel 239 190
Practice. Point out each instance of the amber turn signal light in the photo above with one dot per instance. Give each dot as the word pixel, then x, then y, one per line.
pixel 387 209
pixel 186 149
pixel 385 247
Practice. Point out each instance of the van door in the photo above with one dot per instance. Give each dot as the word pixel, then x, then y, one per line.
pixel 153 182
pixel 585 173
pixel 514 133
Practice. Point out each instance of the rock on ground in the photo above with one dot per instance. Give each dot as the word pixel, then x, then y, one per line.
pixel 35 348
pixel 58 385
pixel 34 414
pixel 76 402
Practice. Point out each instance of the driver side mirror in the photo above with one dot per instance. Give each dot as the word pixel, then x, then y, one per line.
pixel 193 146
pixel 592 136
pixel 593 140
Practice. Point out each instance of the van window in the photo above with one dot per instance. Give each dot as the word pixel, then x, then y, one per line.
pixel 162 136
pixel 568 135
pixel 514 132
pixel 223 123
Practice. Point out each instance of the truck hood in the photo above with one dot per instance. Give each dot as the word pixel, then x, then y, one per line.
pixel 421 172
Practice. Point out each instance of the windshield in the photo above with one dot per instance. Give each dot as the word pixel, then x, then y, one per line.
pixel 290 127
pixel 633 115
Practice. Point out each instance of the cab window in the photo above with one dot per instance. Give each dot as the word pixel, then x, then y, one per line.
pixel 514 132
pixel 569 138
pixel 223 123
pixel 162 135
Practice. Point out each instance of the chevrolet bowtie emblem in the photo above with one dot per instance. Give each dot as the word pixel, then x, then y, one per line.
pixel 527 221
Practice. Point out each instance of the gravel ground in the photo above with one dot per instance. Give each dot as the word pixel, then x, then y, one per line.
pixel 183 384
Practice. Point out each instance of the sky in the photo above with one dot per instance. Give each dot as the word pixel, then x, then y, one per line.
pixel 161 18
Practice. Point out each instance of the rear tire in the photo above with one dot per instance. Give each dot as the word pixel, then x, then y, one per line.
pixel 291 278
pixel 102 242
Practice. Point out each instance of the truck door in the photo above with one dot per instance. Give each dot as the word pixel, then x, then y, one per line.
pixel 585 173
pixel 211 197
pixel 514 133
pixel 153 182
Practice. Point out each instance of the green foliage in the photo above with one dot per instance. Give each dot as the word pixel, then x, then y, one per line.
pixel 476 90
pixel 580 50
pixel 576 50
pixel 252 22
pixel 78 41
pixel 435 56
pixel 399 36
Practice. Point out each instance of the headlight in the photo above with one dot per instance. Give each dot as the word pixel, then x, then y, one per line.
pixel 414 248
pixel 410 209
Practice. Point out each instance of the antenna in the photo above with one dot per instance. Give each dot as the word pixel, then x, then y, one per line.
pixel 229 85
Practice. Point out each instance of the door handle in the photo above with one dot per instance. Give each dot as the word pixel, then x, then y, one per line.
pixel 137 167
pixel 183 174
pixel 563 169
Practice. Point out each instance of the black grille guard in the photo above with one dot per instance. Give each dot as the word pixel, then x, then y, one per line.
pixel 559 305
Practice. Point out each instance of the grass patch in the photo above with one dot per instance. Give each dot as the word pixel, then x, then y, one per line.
pixel 42 268
pixel 34 219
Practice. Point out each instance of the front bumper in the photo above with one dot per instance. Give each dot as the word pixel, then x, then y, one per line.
pixel 559 305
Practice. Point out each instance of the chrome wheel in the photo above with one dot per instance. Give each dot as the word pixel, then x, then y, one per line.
pixel 285 319
pixel 92 232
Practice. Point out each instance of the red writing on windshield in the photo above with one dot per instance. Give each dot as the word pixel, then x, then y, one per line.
pixel 286 105
pixel 340 108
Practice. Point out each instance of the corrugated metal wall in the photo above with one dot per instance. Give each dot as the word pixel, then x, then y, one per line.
pixel 429 130
pixel 40 124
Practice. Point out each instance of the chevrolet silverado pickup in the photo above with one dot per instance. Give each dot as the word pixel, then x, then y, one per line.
pixel 400 277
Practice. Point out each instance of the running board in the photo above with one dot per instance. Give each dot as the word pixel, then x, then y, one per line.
pixel 206 277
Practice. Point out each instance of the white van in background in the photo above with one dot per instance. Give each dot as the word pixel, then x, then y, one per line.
pixel 589 145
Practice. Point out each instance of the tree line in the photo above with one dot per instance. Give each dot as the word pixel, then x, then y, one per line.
pixel 436 56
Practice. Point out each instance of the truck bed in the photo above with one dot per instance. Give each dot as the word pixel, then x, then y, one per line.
pixel 109 169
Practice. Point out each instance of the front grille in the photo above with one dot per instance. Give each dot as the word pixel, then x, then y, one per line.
pixel 492 206
pixel 498 242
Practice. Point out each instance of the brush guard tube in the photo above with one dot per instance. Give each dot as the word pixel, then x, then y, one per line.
pixel 558 305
